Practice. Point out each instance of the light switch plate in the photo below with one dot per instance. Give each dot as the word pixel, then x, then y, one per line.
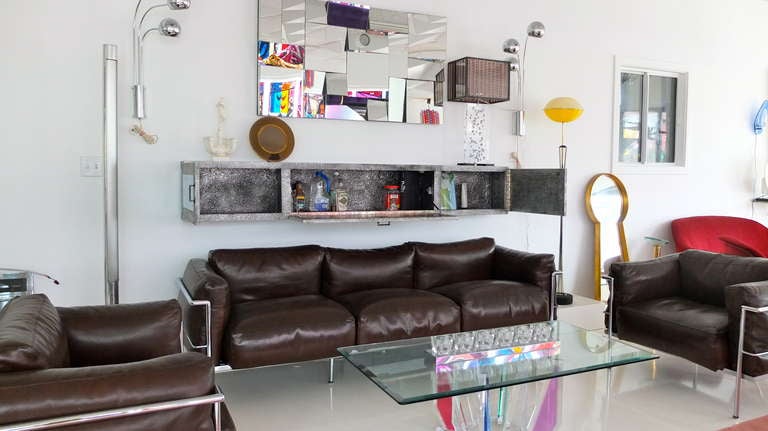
pixel 91 166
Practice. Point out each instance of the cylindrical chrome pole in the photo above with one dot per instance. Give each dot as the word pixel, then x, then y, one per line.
pixel 111 257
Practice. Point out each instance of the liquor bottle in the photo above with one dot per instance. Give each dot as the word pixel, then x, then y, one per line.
pixel 299 199
pixel 339 194
pixel 320 197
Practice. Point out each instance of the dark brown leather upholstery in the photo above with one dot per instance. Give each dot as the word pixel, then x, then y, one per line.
pixel 441 264
pixel 348 271
pixel 145 335
pixel 121 333
pixel 394 314
pixel 57 392
pixel 494 303
pixel 278 313
pixel 689 329
pixel 267 273
pixel 31 335
pixel 689 304
pixel 756 336
pixel 204 284
pixel 284 330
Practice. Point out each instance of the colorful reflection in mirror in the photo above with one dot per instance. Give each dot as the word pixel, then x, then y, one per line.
pixel 341 60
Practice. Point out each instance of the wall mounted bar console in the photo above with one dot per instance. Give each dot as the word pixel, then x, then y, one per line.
pixel 256 191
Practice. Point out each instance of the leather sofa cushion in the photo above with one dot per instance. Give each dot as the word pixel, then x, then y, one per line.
pixel 348 271
pixel 704 275
pixel 32 395
pixel 265 273
pixel 441 264
pixel 692 330
pixel 121 333
pixel 31 335
pixel 494 303
pixel 394 314
pixel 282 330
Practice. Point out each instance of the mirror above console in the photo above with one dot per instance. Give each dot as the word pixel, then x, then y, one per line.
pixel 338 60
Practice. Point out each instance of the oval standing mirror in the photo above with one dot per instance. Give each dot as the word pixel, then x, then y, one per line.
pixel 607 205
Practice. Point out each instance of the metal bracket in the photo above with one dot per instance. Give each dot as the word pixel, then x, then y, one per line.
pixel 191 193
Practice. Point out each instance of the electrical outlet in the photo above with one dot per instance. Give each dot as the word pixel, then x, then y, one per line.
pixel 91 166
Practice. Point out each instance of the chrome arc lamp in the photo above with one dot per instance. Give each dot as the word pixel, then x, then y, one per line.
pixel 535 30
pixel 168 27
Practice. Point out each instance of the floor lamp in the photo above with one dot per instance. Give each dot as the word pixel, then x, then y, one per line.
pixel 563 110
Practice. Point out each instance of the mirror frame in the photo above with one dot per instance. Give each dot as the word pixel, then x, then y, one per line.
pixel 598 263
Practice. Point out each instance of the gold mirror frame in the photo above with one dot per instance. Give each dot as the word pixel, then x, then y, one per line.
pixel 598 262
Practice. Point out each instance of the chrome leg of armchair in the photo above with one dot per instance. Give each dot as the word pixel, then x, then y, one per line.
pixel 90 417
pixel 208 312
pixel 557 278
pixel 609 311
pixel 330 370
pixel 740 356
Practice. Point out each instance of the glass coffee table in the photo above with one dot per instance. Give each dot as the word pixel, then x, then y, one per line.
pixel 454 365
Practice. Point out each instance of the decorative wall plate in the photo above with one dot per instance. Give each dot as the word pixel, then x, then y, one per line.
pixel 272 139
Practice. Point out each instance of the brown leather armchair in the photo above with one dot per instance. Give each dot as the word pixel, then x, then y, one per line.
pixel 704 307
pixel 102 368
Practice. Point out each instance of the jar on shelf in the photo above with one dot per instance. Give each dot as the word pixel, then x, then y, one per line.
pixel 392 198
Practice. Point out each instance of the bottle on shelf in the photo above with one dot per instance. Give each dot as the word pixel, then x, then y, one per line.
pixel 320 193
pixel 339 194
pixel 299 198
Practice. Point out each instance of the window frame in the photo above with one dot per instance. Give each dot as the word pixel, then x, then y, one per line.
pixel 651 68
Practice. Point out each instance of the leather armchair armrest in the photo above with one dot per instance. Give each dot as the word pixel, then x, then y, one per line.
pixel 645 280
pixel 115 334
pixel 203 283
pixel 754 295
pixel 533 268
pixel 34 395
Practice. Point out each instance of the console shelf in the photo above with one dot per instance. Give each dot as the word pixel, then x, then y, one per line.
pixel 214 192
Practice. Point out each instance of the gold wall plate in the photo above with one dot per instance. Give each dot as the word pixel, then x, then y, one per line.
pixel 272 139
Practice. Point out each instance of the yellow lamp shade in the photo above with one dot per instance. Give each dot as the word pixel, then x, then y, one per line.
pixel 563 109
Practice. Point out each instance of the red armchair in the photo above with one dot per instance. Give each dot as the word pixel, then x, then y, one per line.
pixel 720 234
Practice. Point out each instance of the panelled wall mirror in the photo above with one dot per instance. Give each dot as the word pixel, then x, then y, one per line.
pixel 339 60
pixel 607 205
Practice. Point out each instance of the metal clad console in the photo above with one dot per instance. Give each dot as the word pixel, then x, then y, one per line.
pixel 332 60
pixel 257 191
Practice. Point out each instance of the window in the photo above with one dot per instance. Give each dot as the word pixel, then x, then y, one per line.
pixel 649 118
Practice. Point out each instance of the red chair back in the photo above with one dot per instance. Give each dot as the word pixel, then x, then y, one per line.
pixel 721 234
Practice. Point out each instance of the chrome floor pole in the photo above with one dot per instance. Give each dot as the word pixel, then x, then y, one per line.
pixel 111 256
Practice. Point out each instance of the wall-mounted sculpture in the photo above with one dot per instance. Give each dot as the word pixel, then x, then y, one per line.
pixel 334 60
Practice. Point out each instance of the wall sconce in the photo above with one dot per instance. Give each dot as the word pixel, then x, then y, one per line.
pixel 512 46
pixel 168 27
pixel 761 118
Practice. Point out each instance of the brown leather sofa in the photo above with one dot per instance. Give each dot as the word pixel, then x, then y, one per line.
pixel 281 305
pixel 81 365
pixel 690 305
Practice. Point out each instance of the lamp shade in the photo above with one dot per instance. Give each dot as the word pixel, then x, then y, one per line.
pixel 563 109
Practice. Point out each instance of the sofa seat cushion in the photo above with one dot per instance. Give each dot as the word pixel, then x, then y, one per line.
pixel 32 336
pixel 494 303
pixel 692 330
pixel 285 330
pixel 395 314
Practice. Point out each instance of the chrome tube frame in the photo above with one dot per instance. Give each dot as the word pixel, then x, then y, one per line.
pixel 740 355
pixel 208 311
pixel 330 370
pixel 101 415
pixel 111 241
pixel 610 310
pixel 557 278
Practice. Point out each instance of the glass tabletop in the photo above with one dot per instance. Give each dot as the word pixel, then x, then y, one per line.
pixel 422 369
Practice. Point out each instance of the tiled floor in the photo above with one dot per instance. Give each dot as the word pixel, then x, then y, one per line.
pixel 667 394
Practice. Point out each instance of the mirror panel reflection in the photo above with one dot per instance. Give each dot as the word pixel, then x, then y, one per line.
pixel 339 60
pixel 607 206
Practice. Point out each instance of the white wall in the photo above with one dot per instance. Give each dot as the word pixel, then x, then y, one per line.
pixel 50 76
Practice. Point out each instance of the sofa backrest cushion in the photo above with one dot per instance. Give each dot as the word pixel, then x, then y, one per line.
pixel 31 335
pixel 704 275
pixel 266 273
pixel 441 264
pixel 348 271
